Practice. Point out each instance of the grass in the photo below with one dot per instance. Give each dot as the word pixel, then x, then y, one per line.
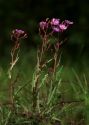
pixel 65 102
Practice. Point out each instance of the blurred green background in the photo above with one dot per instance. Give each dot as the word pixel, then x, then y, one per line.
pixel 26 14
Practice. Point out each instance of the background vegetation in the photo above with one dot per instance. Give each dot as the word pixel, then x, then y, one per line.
pixel 26 15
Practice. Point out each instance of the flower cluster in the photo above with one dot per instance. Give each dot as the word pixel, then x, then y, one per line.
pixel 43 25
pixel 55 24
pixel 18 34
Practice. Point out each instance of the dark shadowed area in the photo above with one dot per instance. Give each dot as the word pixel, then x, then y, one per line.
pixel 26 15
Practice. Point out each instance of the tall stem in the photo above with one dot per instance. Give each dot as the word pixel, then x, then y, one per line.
pixel 14 59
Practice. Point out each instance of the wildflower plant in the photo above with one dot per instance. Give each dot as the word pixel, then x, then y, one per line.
pixel 46 75
pixel 16 36
pixel 51 79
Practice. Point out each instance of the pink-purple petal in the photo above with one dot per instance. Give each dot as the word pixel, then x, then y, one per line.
pixel 55 21
pixel 63 27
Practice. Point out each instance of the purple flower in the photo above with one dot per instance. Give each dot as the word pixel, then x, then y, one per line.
pixel 56 28
pixel 62 27
pixel 55 21
pixel 18 34
pixel 43 25
pixel 55 24
pixel 67 22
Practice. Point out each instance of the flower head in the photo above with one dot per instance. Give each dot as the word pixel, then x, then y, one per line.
pixel 67 22
pixel 18 34
pixel 55 24
pixel 62 27
pixel 55 21
pixel 56 28
pixel 43 25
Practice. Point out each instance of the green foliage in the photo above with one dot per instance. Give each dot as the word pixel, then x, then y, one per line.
pixel 62 102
